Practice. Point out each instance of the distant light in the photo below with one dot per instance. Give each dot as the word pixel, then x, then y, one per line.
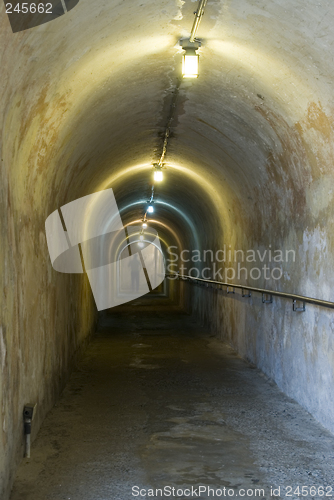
pixel 141 237
pixel 158 175
pixel 150 209
pixel 141 245
pixel 144 225
pixel 190 64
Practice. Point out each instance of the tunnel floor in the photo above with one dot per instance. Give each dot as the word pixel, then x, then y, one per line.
pixel 158 402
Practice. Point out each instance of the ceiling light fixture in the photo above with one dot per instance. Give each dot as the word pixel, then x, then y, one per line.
pixel 190 62
pixel 190 59
pixel 158 175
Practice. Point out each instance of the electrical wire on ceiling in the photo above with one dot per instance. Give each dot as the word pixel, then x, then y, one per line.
pixel 191 43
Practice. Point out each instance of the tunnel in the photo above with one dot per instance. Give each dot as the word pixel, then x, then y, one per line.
pixel 94 100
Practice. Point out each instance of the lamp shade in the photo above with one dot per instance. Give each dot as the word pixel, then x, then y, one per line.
pixel 190 64
pixel 158 175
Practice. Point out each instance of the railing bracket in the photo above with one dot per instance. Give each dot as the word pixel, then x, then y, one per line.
pixel 249 294
pixel 265 300
pixel 228 289
pixel 298 309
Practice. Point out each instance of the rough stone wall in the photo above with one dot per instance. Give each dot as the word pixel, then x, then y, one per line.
pixel 45 317
pixel 295 212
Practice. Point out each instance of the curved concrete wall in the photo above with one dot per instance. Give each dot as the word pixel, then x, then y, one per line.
pixel 84 102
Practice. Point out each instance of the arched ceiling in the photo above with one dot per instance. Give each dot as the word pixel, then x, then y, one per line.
pixel 87 99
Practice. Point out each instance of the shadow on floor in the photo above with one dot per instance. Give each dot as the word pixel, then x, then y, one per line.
pixel 155 402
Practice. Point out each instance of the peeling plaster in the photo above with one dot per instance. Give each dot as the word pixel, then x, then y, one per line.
pixel 179 4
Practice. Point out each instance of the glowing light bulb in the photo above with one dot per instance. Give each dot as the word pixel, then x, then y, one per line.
pixel 141 245
pixel 141 237
pixel 190 64
pixel 158 175
pixel 144 225
pixel 150 209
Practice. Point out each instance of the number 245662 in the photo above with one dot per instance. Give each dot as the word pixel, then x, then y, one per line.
pixel 24 8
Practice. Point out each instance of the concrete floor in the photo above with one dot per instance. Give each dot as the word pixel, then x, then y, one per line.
pixel 156 402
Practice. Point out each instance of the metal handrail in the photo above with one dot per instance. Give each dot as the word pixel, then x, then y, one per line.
pixel 265 293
